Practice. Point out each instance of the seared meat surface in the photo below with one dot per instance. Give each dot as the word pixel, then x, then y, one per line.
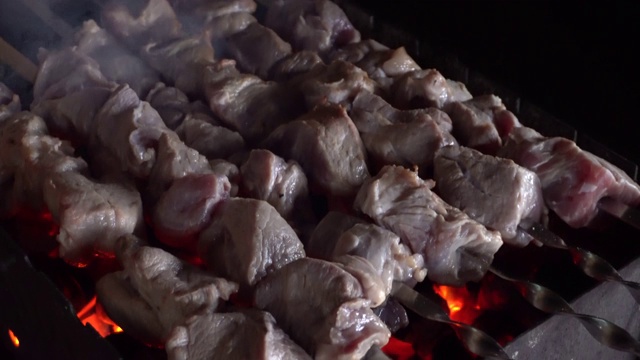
pixel 323 308
pixel 9 102
pixel 400 137
pixel 156 292
pixel 246 240
pixel 212 141
pixel 496 192
pixel 249 334
pixel 326 143
pixel 573 180
pixel 456 249
pixel 425 88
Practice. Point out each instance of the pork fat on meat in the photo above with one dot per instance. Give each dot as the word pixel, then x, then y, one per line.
pixel 247 240
pixel 323 308
pixel 456 249
pixel 249 334
pixel 155 291
pixel 573 180
pixel 496 192
pixel 9 102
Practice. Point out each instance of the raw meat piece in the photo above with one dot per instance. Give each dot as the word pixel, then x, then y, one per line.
pixel 456 249
pixel 424 88
pixel 212 141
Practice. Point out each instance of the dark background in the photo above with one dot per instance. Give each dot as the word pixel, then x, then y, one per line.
pixel 576 60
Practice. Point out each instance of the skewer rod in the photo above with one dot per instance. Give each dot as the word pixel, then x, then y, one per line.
pixel 52 20
pixel 18 62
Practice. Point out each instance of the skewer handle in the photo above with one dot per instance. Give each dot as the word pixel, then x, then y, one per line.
pixel 18 62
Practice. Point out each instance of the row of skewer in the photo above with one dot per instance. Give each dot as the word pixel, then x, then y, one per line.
pixel 477 341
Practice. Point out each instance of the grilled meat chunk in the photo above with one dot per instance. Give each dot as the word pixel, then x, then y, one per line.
pixel 323 308
pixel 481 122
pixel 156 292
pixel 247 240
pixel 140 22
pixel 294 65
pixel 395 137
pixel 325 142
pixel 573 180
pixel 250 334
pixel 424 88
pixel 257 49
pixel 456 249
pixel 212 141
pixel 326 234
pixel 316 25
pixel 116 62
pixel 496 192
pixel 207 10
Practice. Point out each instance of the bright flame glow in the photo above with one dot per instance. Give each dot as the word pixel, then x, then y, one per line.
pixel 93 314
pixel 14 339
pixel 399 350
pixel 463 305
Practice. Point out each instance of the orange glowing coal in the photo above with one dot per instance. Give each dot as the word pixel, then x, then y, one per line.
pixel 399 350
pixel 94 315
pixel 463 305
pixel 14 339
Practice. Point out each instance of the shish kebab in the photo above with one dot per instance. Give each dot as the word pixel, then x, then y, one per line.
pixel 460 112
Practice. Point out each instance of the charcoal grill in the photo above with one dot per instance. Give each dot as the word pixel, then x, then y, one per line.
pixel 46 324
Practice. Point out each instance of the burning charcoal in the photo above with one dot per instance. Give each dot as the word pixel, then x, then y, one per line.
pixel 250 334
pixel 392 314
pixel 495 192
pixel 185 209
pixel 257 49
pixel 323 308
pixel 392 260
pixel 573 180
pixel 247 104
pixel 481 122
pixel 9 102
pixel 425 88
pixel 212 141
pixel 456 249
pixel 266 176
pixel 317 25
pixel 116 62
pixel 394 137
pixel 157 292
pixel 326 143
pixel 247 240
pixel 140 22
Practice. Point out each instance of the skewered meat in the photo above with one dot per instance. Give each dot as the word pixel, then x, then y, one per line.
pixel 116 62
pixel 247 104
pixel 398 200
pixel 295 65
pixel 482 122
pixel 246 240
pixel 496 192
pixel 325 142
pixel 266 176
pixel 325 236
pixel 172 104
pixel 317 25
pixel 573 180
pixel 230 171
pixel 41 173
pixel 257 49
pixel 250 334
pixel 323 308
pixel 212 141
pixel 207 10
pixel 140 22
pixel 391 136
pixel 426 88
pixel 155 291
pixel 9 102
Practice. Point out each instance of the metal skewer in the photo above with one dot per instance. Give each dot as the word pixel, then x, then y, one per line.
pixel 621 211
pixel 18 62
pixel 591 264
pixel 474 339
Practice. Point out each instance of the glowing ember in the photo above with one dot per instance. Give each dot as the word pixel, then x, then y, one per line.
pixel 399 350
pixel 463 306
pixel 14 339
pixel 94 315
